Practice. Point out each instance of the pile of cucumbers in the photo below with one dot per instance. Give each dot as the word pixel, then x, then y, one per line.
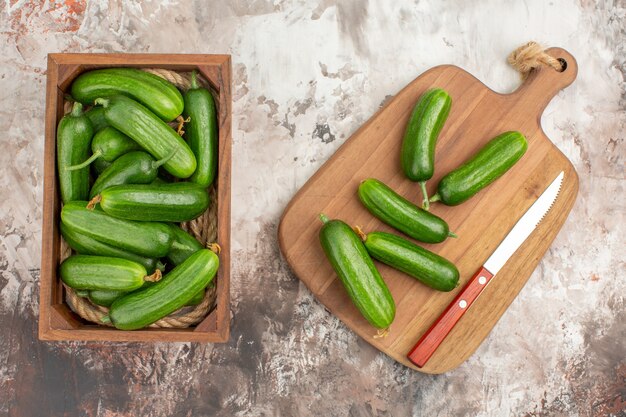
pixel 350 251
pixel 121 218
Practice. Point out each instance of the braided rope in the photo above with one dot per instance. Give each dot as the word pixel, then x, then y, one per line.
pixel 530 56
pixel 204 229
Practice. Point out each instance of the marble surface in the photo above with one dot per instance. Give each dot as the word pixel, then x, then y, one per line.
pixel 306 75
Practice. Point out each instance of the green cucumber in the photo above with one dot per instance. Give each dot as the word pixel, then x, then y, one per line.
pixel 108 144
pixel 183 245
pixel 149 239
pixel 357 272
pixel 429 268
pixel 82 293
pixel 489 164
pixel 150 132
pixel 418 146
pixel 105 298
pixel 157 94
pixel 142 308
pixel 132 168
pixel 196 299
pixel 99 165
pixel 159 180
pixel 96 116
pixel 176 202
pixel 401 214
pixel 86 245
pixel 201 131
pixel 74 135
pixel 87 272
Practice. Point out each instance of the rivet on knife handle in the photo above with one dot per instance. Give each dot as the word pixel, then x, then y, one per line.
pixel 430 341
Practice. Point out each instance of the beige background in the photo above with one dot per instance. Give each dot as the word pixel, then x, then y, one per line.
pixel 307 75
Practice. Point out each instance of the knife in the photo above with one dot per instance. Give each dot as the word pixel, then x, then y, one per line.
pixel 430 341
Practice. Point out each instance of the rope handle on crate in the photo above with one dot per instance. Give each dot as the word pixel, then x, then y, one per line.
pixel 204 229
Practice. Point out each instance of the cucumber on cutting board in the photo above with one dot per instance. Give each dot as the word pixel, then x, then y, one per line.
pixel 403 255
pixel 418 146
pixel 401 214
pixel 489 164
pixel 354 267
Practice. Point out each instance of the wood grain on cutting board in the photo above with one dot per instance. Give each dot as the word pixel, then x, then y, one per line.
pixel 477 115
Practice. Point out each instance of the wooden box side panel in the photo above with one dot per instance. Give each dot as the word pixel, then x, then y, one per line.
pixel 56 320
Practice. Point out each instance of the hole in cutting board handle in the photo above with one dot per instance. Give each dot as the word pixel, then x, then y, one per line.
pixel 563 64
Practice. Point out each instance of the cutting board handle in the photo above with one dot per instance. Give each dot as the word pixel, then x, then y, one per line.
pixel 544 82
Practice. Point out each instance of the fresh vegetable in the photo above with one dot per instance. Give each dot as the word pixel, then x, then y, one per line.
pixel 418 147
pixel 74 135
pixel 87 272
pixel 489 164
pixel 82 293
pixel 105 298
pixel 86 245
pixel 197 298
pixel 183 245
pixel 149 239
pixel 357 272
pixel 96 116
pixel 135 167
pixel 399 213
pixel 108 144
pixel 176 202
pixel 99 165
pixel 429 268
pixel 141 308
pixel 201 131
pixel 150 132
pixel 157 94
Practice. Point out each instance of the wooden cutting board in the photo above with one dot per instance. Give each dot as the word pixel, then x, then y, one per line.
pixel 477 115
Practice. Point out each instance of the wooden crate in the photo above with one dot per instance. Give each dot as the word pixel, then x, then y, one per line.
pixel 56 320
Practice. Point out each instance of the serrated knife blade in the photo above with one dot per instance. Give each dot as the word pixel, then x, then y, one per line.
pixel 430 341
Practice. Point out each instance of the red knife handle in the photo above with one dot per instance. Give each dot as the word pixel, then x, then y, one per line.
pixel 430 341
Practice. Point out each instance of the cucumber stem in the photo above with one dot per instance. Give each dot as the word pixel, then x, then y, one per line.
pixel 104 102
pixel 155 277
pixel 323 218
pixel 162 161
pixel 92 203
pixel 425 202
pixel 77 109
pixel 434 198
pixel 194 80
pixel 452 234
pixel 215 248
pixel 381 333
pixel 88 161
pixel 105 319
pixel 160 265
pixel 360 232
pixel 181 123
